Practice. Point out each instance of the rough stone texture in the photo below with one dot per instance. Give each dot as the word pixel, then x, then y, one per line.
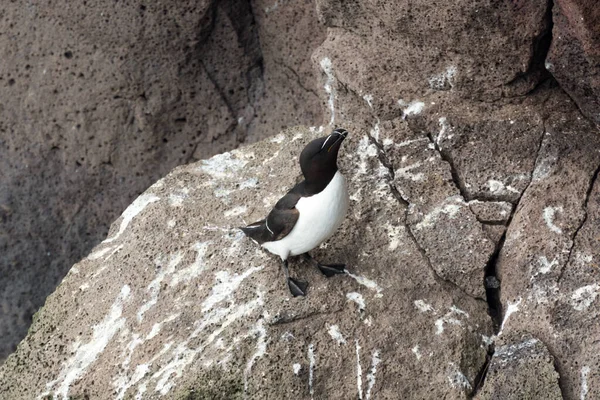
pixel 396 50
pixel 178 302
pixel 491 211
pixel 548 264
pixel 521 370
pixel 103 98
pixel 438 216
pixel 574 57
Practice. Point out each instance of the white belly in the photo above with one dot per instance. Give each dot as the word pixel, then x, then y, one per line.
pixel 320 216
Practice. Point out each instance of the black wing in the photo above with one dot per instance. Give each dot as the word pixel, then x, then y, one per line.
pixel 280 221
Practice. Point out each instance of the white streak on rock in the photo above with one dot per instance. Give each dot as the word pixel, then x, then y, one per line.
pixel 498 187
pixel 327 68
pixel 132 211
pixel 375 360
pixel 459 311
pixel 411 141
pixel 451 317
pixel 225 287
pixel 506 351
pixel 546 265
pixel 367 283
pixel 311 369
pixel 549 213
pixel 375 131
pixel 99 253
pixel 358 371
pixel 296 368
pixel 423 306
pixel 413 108
pixel 584 384
pixel 394 234
pixel 365 150
pixel 222 166
pixel 278 139
pixel 369 99
pixel 357 298
pixel 444 80
pixel 87 353
pixel 444 127
pixel 334 332
pixel 417 352
pixel 122 383
pixel 155 286
pixel 457 379
pixel 583 297
pixel 211 325
pixel 405 173
pixel 512 308
pixel 261 348
pixel 449 209
pixel 236 211
pixel 195 269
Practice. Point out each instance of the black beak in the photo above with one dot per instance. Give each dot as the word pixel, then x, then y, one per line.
pixel 338 136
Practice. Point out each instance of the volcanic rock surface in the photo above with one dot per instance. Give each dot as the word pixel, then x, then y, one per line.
pixel 471 240
pixel 101 99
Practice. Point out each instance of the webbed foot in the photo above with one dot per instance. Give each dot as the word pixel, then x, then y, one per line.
pixel 297 288
pixel 332 269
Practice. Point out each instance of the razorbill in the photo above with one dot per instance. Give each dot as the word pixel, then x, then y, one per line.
pixel 309 213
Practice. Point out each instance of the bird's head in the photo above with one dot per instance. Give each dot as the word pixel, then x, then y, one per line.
pixel 318 160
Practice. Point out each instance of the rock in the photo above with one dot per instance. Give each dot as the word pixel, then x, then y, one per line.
pixel 438 216
pixel 547 264
pixel 102 99
pixel 574 58
pixel 521 370
pixel 395 53
pixel 491 211
pixel 177 302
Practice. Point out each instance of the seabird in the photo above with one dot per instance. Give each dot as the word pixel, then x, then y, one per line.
pixel 309 213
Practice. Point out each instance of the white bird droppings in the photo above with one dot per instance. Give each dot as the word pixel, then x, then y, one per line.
pixel 451 210
pixel 413 108
pixel 549 213
pixel 87 353
pixel 367 283
pixel 423 306
pixel 311 369
pixel 334 332
pixel 358 371
pixel 357 298
pixel 512 308
pixel 222 166
pixel 584 384
pixel 132 211
pixel 296 368
pixel 375 360
pixel 583 297
pixel 417 352
pixel 327 68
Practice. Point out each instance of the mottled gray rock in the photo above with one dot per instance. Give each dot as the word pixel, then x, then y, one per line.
pixel 574 56
pixel 396 52
pixel 546 266
pixel 102 98
pixel 178 302
pixel 521 370
pixel 491 211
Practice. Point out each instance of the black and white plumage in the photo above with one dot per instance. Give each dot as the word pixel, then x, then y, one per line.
pixel 310 212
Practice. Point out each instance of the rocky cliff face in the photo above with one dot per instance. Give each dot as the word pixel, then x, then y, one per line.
pixel 101 99
pixel 471 239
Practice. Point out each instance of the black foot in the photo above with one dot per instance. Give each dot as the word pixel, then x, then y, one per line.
pixel 298 288
pixel 332 269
